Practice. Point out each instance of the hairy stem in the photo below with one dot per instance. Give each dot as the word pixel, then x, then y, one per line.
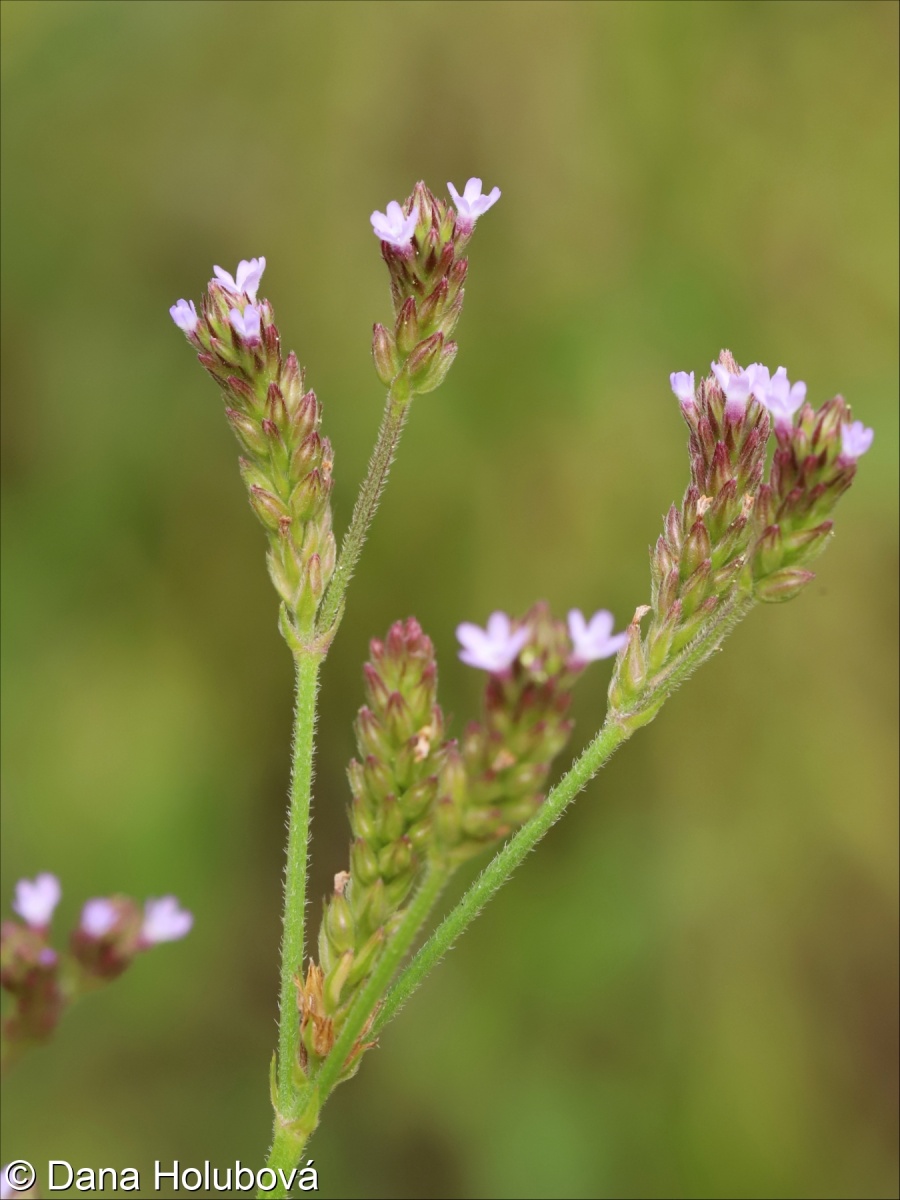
pixel 392 423
pixel 501 867
pixel 617 729
pixel 292 943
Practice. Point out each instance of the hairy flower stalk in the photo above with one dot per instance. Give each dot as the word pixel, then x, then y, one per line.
pixel 422 243
pixel 394 784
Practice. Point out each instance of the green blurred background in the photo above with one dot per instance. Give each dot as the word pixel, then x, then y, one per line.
pixel 691 990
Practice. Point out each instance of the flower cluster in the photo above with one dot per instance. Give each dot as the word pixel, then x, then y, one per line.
pixel 422 243
pixel 495 780
pixel 287 463
pixel 110 933
pixel 420 799
pixel 738 538
pixel 394 783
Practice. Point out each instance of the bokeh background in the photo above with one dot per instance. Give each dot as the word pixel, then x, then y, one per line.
pixel 691 990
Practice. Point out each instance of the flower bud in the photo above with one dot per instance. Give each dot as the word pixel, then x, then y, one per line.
pixel 270 510
pixel 783 585
pixel 429 363
pixel 385 354
pixel 406 328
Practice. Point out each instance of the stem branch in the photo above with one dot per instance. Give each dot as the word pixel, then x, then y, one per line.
pixel 392 423
pixel 501 867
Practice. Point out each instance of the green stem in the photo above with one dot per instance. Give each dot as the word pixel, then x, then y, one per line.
pixel 501 867
pixel 288 1093
pixel 617 728
pixel 364 1005
pixel 392 423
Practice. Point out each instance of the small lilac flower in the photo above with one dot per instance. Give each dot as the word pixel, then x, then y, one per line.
pixel 48 957
pixel 493 649
pixel 683 385
pixel 472 203
pixel 35 901
pixel 752 381
pixel 780 397
pixel 246 280
pixel 392 227
pixel 98 917
pixel 164 921
pixel 855 439
pixel 246 323
pixel 594 639
pixel 184 314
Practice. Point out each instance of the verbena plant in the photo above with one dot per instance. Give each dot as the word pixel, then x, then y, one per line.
pixel 421 803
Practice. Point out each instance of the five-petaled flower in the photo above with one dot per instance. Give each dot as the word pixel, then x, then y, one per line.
pixel 856 439
pixel 779 395
pixel 682 383
pixel 246 280
pixel 751 381
pixel 594 639
pixel 98 917
pixel 246 324
pixel 494 649
pixel 36 899
pixel 164 921
pixel 472 203
pixel 393 227
pixel 184 314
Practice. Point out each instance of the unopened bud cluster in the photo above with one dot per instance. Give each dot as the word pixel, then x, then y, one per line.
pixel 394 785
pixel 811 470
pixel 737 538
pixel 422 242
pixel 111 932
pixel 286 462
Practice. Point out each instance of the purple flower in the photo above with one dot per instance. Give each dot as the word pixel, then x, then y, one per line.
pixel 392 227
pixel 246 323
pixel 472 203
pixel 752 381
pixel 683 385
pixel 493 649
pixel 594 639
pixel 35 901
pixel 98 917
pixel 246 279
pixel 780 397
pixel 164 921
pixel 855 439
pixel 184 314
